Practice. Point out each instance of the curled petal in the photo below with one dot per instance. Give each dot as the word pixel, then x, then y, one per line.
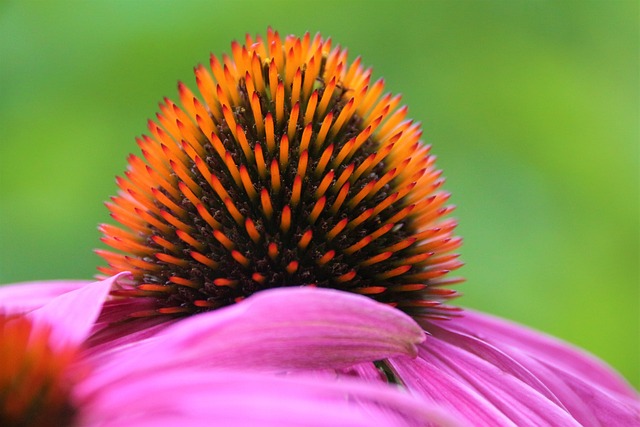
pixel 280 329
pixel 24 297
pixel 182 396
pixel 73 314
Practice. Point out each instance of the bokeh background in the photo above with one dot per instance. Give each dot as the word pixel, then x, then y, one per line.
pixel 531 106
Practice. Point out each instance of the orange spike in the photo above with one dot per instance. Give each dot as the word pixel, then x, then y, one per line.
pixel 322 133
pixel 324 184
pixel 280 103
pixel 185 176
pixel 206 86
pixel 296 190
pixel 285 221
pixel 233 210
pixel 260 162
pixel 370 290
pixel 146 216
pixel 370 98
pixel 295 88
pixel 275 176
pixel 259 278
pixel 311 107
pixel 361 218
pixel 326 97
pixel 344 176
pixel 293 120
pixel 241 259
pixel 256 69
pixel 361 194
pixel 174 221
pixel 324 160
pixel 172 260
pixel 401 245
pixel 233 169
pixel 317 209
pixel 247 183
pixel 328 256
pixel 344 151
pixel 252 231
pixel 244 143
pixel 223 239
pixel 265 200
pixel 183 282
pixel 302 164
pixel 306 137
pixel 170 204
pixel 342 195
pixel 292 267
pixel 270 133
pixel 185 237
pixel 337 229
pixel 165 244
pixel 305 239
pixel 357 246
pixel 221 281
pixel 204 260
pixel 231 121
pixel 272 250
pixel 248 82
pixel 273 79
pixel 284 151
pixel 155 288
pixel 347 277
pixel 394 272
pixel 256 110
pixel 376 259
pixel 344 115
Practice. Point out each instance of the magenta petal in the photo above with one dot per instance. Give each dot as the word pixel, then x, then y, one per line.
pixel 297 327
pixel 72 314
pixel 240 398
pixel 479 390
pixel 19 298
pixel 570 374
pixel 279 329
pixel 543 347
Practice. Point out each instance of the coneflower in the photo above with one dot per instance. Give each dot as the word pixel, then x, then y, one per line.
pixel 292 169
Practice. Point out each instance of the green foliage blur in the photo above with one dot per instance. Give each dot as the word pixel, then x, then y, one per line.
pixel 531 106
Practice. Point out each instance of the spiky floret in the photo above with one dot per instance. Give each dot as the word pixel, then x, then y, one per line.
pixel 291 169
pixel 35 387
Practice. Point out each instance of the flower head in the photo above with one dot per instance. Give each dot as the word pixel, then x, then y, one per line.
pixel 291 169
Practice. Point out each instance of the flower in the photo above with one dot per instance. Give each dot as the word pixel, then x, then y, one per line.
pixel 294 171
pixel 48 376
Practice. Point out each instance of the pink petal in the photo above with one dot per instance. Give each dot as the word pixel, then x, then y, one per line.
pixel 279 329
pixel 240 398
pixel 543 347
pixel 569 373
pixel 115 327
pixel 73 314
pixel 480 391
pixel 486 378
pixel 23 297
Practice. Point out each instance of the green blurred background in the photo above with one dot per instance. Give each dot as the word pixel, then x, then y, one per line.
pixel 532 109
